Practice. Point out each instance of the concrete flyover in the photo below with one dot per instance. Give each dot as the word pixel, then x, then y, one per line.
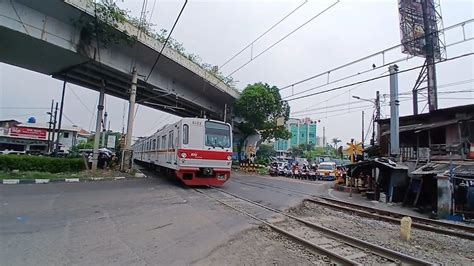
pixel 44 36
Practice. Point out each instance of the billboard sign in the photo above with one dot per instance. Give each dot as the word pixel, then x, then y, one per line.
pixel 111 141
pixel 412 27
pixel 29 133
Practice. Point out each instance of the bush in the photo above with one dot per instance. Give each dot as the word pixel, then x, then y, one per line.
pixel 41 163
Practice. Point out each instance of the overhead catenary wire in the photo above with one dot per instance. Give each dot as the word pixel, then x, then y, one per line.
pixel 263 34
pixel 166 41
pixel 328 107
pixel 357 74
pixel 281 39
pixel 340 94
pixel 374 78
pixel 382 52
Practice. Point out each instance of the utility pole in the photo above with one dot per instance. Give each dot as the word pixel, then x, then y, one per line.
pixel 56 150
pixel 225 113
pixel 363 137
pixel 54 126
pixel 324 137
pixel 100 109
pixel 430 56
pixel 49 125
pixel 104 130
pixel 377 116
pixel 127 153
pixel 394 114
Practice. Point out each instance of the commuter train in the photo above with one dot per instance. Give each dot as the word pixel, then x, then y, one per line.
pixel 197 151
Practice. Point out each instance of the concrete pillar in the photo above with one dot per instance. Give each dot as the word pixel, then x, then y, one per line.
pixel 100 109
pixel 444 200
pixel 131 110
pixel 394 112
pixel 56 149
pixel 127 153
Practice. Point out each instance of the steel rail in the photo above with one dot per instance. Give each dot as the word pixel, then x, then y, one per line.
pixel 423 222
pixel 364 245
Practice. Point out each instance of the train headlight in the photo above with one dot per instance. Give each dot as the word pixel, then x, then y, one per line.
pixel 229 158
pixel 183 155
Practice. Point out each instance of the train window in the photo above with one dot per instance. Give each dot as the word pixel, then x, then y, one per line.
pixel 217 134
pixel 163 142
pixel 154 144
pixel 170 142
pixel 185 134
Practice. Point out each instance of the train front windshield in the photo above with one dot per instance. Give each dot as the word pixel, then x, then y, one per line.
pixel 217 134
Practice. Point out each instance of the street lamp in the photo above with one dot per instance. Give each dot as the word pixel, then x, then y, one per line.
pixel 362 99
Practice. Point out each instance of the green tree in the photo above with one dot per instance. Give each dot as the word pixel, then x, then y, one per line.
pixel 335 141
pixel 296 151
pixel 259 106
pixel 266 151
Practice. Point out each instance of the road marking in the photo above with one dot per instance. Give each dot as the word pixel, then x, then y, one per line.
pixel 71 180
pixel 11 181
pixel 119 177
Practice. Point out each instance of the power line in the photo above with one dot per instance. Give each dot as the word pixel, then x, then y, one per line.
pixel 326 107
pixel 372 55
pixel 284 37
pixel 79 99
pixel 263 34
pixel 335 111
pixel 446 85
pixel 23 108
pixel 152 10
pixel 166 41
pixel 347 77
pixel 349 90
pixel 375 78
pixel 68 119
pixel 353 75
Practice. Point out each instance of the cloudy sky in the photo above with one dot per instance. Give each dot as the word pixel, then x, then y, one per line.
pixel 216 30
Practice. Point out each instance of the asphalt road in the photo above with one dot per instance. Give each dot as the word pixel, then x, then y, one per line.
pixel 152 221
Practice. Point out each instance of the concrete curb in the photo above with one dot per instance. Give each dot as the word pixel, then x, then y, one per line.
pixel 65 180
pixel 11 181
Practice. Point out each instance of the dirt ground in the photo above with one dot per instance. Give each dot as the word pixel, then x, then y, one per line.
pixel 261 246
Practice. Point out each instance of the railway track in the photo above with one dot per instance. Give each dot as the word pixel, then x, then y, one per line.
pixel 459 230
pixel 452 229
pixel 338 247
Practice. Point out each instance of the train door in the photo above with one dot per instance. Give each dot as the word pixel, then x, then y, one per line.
pixel 169 153
pixel 175 147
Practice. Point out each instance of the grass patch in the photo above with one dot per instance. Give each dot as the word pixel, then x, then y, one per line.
pixel 262 171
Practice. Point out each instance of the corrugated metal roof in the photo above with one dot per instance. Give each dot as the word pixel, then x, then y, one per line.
pixel 421 127
pixel 460 168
